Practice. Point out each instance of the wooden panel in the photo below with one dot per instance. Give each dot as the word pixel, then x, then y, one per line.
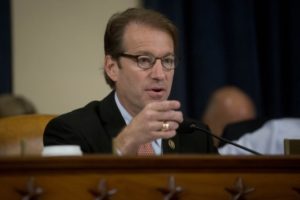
pixel 292 146
pixel 200 177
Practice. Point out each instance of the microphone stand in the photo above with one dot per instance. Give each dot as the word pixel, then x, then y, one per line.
pixel 225 140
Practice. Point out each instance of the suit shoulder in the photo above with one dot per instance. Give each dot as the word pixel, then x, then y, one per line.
pixel 76 117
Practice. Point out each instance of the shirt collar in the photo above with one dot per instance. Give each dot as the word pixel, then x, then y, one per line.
pixel 126 116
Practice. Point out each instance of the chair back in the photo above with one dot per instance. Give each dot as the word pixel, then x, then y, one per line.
pixel 23 134
pixel 292 146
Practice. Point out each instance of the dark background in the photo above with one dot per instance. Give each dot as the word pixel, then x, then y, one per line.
pixel 252 44
pixel 5 48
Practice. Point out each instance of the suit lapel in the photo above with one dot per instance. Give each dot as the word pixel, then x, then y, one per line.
pixel 113 121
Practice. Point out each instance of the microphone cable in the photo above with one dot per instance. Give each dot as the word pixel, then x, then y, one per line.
pixel 193 126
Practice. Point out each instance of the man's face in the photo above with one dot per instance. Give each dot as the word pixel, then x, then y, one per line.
pixel 137 87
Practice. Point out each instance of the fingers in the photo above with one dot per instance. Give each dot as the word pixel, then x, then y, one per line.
pixel 171 115
pixel 156 120
pixel 164 111
pixel 164 105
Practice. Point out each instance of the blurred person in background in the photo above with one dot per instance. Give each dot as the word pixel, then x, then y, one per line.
pixel 267 140
pixel 11 105
pixel 227 105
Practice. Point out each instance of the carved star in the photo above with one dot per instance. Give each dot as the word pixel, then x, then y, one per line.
pixel 32 192
pixel 239 190
pixel 101 193
pixel 172 192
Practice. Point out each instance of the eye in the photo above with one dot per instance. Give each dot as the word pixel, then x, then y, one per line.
pixel 145 61
pixel 169 61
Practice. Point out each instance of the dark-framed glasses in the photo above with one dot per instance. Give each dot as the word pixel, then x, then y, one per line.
pixel 148 61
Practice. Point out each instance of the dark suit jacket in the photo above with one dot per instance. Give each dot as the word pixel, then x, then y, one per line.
pixel 94 126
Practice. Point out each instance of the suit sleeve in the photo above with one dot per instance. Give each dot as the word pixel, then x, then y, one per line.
pixel 59 132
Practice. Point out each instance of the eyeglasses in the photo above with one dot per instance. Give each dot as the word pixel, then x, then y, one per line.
pixel 148 61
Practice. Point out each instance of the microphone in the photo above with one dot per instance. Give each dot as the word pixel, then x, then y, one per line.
pixel 190 126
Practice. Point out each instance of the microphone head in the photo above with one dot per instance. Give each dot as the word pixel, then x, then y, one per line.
pixel 187 126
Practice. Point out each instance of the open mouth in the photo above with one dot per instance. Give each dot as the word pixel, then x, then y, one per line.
pixel 156 93
pixel 157 90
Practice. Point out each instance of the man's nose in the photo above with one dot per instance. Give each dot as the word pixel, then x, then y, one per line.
pixel 157 70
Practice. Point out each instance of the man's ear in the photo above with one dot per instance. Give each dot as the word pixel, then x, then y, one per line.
pixel 111 67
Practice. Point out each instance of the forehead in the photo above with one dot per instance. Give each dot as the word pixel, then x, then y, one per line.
pixel 142 37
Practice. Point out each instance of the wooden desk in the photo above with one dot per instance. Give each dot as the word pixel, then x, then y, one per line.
pixel 197 177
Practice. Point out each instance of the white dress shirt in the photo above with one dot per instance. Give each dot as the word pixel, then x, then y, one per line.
pixel 269 139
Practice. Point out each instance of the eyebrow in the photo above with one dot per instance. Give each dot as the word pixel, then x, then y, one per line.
pixel 147 53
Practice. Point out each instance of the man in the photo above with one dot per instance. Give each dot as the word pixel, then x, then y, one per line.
pixel 227 105
pixel 139 66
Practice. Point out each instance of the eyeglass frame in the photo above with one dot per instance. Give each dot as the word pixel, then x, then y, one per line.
pixel 136 59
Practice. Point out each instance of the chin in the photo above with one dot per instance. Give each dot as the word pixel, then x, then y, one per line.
pixel 148 99
pixel 156 99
